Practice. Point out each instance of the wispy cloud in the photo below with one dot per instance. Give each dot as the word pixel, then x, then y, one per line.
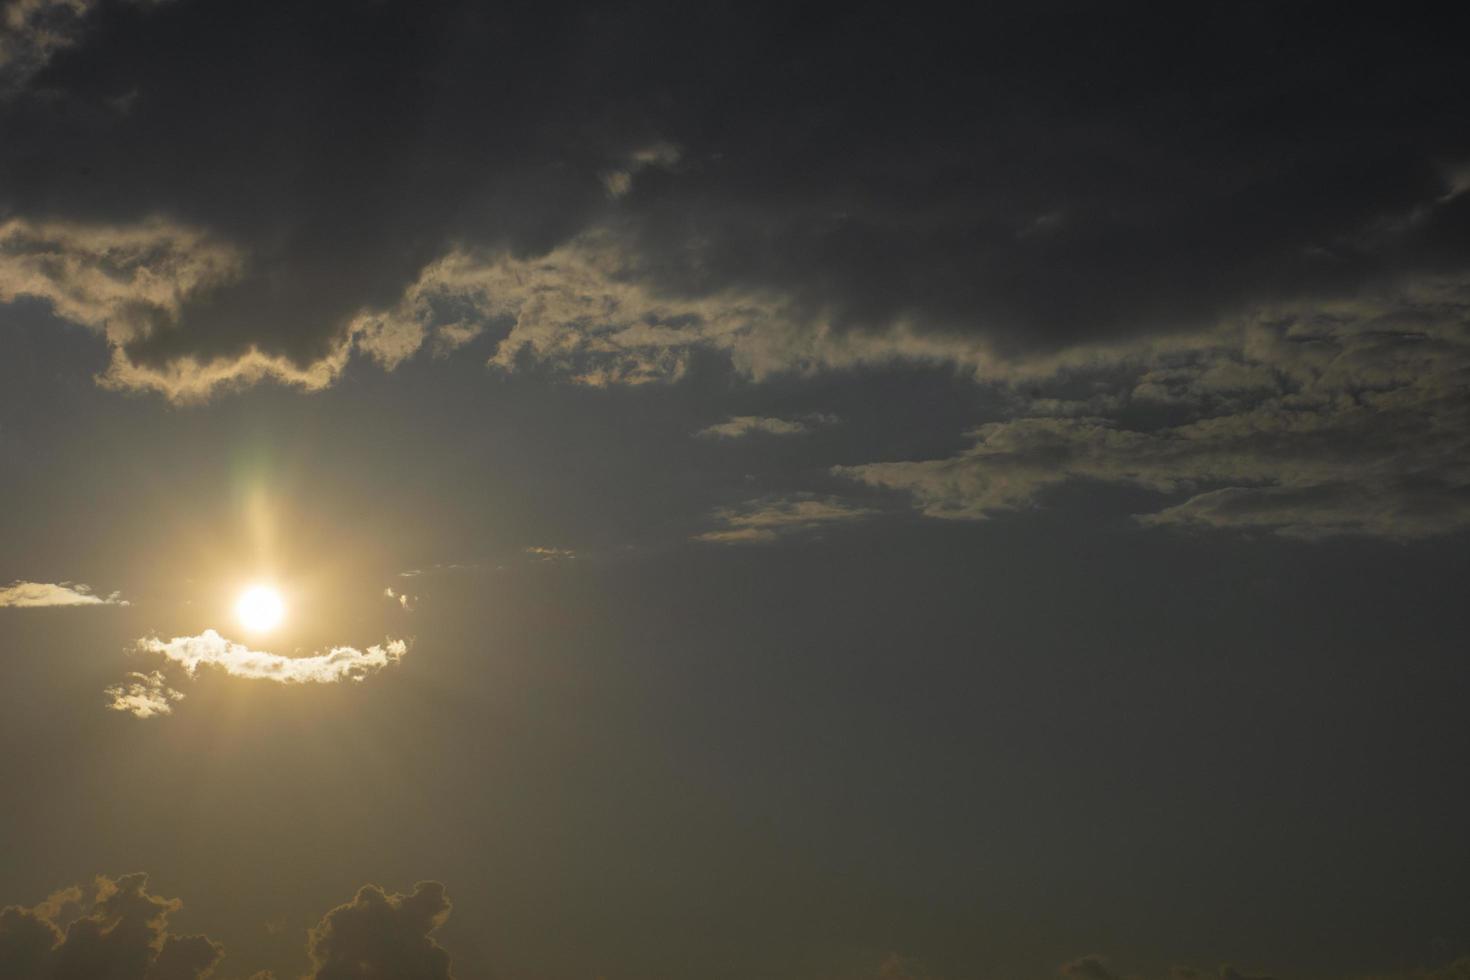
pixel 405 601
pixel 440 567
pixel 1310 423
pixel 144 695
pixel 739 426
pixel 766 519
pixel 619 181
pixel 37 594
pixel 542 553
pixel 209 649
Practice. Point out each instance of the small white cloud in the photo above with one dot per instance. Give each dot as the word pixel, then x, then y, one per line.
pixel 209 649
pixel 144 695
pixel 37 594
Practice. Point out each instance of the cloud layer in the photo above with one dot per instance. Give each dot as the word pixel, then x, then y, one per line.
pixel 1349 419
pixel 681 200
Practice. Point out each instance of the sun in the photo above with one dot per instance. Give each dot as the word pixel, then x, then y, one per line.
pixel 260 608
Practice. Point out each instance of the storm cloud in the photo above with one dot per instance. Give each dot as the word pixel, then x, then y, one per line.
pixel 1002 180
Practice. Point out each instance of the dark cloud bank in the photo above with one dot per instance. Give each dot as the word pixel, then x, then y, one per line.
pixel 1216 253
pixel 118 930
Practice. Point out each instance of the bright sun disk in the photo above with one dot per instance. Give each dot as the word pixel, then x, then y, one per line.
pixel 260 608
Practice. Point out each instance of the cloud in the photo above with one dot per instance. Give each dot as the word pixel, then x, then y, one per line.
pixel 31 30
pixel 405 601
pixel 766 519
pixel 878 229
pixel 20 594
pixel 383 935
pixel 144 695
pixel 209 649
pixel 589 311
pixel 895 967
pixel 739 426
pixel 542 553
pixel 121 933
pixel 1305 423
pixel 619 182
pixel 132 283
pixel 1087 968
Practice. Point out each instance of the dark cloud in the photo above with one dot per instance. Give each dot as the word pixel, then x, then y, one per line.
pixel 122 933
pixel 1349 420
pixel 382 935
pixel 1036 176
pixel 1088 968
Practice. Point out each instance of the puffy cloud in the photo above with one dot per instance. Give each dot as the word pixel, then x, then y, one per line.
pixel 1305 423
pixel 33 594
pixel 766 519
pixel 121 934
pixel 738 426
pixel 209 649
pixel 144 695
pixel 383 935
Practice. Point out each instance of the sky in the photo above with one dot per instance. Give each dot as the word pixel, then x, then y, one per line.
pixel 739 491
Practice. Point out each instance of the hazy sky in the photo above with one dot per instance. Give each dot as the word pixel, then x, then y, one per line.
pixel 756 492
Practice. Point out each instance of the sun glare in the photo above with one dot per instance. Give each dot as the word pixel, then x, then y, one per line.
pixel 260 608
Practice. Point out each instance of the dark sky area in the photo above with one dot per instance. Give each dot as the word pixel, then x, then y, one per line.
pixel 753 492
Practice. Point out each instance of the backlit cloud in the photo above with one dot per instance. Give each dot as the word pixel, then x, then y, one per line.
pixel 378 934
pixel 121 932
pixel 116 929
pixel 209 649
pixel 143 695
pixel 37 594
pixel 405 601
